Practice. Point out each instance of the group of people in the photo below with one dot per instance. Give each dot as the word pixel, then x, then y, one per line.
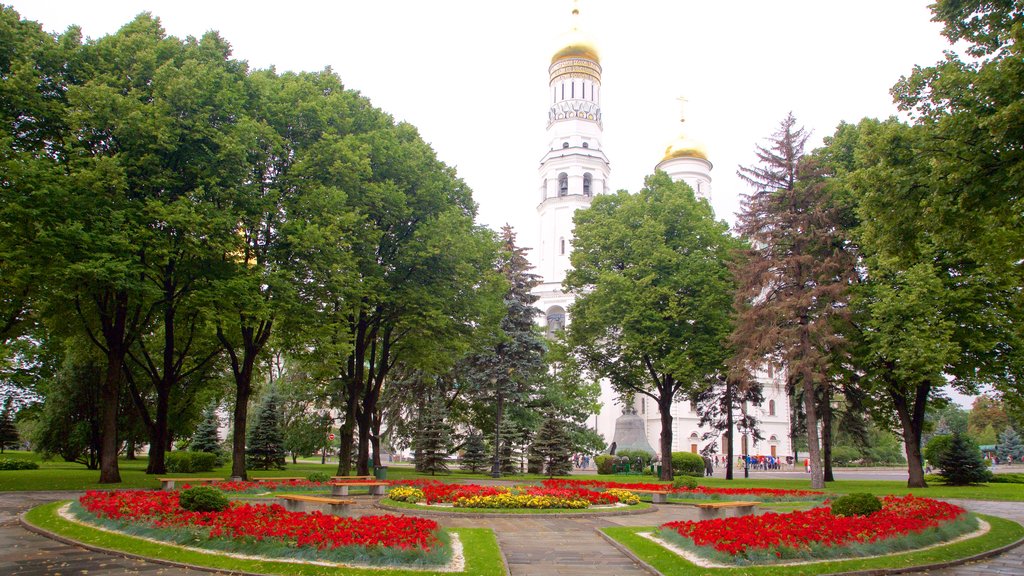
pixel 580 461
pixel 762 462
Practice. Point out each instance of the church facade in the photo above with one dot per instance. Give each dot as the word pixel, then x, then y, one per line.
pixel 572 171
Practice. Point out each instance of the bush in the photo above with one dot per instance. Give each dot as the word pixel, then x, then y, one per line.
pixel 845 455
pixel 643 455
pixel 11 464
pixel 688 482
pixel 687 464
pixel 319 477
pixel 605 464
pixel 962 463
pixel 996 478
pixel 856 504
pixel 936 447
pixel 180 461
pixel 203 499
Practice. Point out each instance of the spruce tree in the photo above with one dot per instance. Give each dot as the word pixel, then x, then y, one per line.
pixel 962 463
pixel 207 438
pixel 552 447
pixel 432 440
pixel 265 448
pixel 8 433
pixel 475 457
pixel 1010 445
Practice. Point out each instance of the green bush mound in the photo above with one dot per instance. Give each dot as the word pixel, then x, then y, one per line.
pixel 12 464
pixel 319 477
pixel 687 464
pixel 856 504
pixel 203 499
pixel 181 461
pixel 1014 478
pixel 605 464
pixel 688 482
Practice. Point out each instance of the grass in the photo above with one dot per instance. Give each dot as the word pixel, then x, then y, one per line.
pixel 1002 533
pixel 523 511
pixel 483 556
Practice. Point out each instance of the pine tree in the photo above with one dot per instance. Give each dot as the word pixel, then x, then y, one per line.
pixel 510 452
pixel 265 448
pixel 721 408
pixel 1010 445
pixel 552 447
pixel 475 457
pixel 432 440
pixel 8 433
pixel 962 463
pixel 206 438
pixel 795 278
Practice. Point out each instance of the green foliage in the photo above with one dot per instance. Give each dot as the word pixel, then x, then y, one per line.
pixel 688 482
pixel 644 456
pixel 845 455
pixel 319 477
pixel 856 504
pixel 13 464
pixel 605 463
pixel 265 446
pixel 961 463
pixel 552 447
pixel 432 440
pixel 475 457
pixel 203 499
pixel 687 464
pixel 1015 478
pixel 8 433
pixel 936 448
pixel 180 461
pixel 206 437
pixel 1010 445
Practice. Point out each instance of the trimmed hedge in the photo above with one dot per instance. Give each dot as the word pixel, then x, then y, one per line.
pixel 180 461
pixel 687 464
pixel 203 499
pixel 12 464
pixel 856 504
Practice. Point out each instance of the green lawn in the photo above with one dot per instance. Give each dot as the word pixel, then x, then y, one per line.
pixel 1003 532
pixel 58 475
pixel 483 557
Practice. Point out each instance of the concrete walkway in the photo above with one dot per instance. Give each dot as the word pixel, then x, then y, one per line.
pixel 532 545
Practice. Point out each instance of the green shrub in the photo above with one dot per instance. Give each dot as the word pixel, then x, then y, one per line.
pixel 319 477
pixel 203 499
pixel 845 455
pixel 644 456
pixel 962 464
pixel 1007 478
pixel 856 504
pixel 687 464
pixel 936 447
pixel 688 482
pixel 180 461
pixel 12 464
pixel 605 464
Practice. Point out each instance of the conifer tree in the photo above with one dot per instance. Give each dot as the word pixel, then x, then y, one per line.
pixel 265 448
pixel 721 408
pixel 552 447
pixel 207 438
pixel 794 281
pixel 8 433
pixel 1010 445
pixel 475 457
pixel 962 463
pixel 432 440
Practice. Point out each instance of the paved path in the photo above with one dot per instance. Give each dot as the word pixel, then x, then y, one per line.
pixel 533 546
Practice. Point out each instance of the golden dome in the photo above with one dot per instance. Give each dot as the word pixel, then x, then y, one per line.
pixel 684 147
pixel 576 44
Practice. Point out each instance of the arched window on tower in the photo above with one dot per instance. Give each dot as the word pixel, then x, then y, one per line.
pixel 556 320
pixel 563 184
pixel 561 246
pixel 771 407
pixel 587 179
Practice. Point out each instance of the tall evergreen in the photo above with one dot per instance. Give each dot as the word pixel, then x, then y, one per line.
pixel 1010 445
pixel 507 372
pixel 962 463
pixel 207 438
pixel 552 447
pixel 265 446
pixel 794 280
pixel 475 457
pixel 8 433
pixel 432 439
pixel 721 408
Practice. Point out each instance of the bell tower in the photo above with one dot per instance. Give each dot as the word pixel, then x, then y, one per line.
pixel 574 168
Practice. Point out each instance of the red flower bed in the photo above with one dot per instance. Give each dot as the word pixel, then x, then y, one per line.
pixel 900 516
pixel 699 491
pixel 160 509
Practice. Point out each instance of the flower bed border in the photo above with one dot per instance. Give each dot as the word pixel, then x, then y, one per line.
pixel 393 506
pixel 480 547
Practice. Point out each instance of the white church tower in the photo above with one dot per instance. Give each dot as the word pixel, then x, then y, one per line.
pixel 687 160
pixel 573 169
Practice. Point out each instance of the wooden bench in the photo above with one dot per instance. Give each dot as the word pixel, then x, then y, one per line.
pixel 297 503
pixel 725 509
pixel 657 496
pixel 351 478
pixel 168 483
pixel 341 488
pixel 279 479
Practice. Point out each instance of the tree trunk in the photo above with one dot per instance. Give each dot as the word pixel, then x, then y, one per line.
pixel 253 340
pixel 159 440
pixel 347 432
pixel 109 397
pixel 496 465
pixel 242 392
pixel 826 434
pixel 665 408
pixel 730 427
pixel 912 423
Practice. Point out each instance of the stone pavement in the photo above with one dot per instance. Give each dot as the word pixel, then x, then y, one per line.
pixel 532 545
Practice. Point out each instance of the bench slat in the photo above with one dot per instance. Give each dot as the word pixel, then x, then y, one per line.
pixel 322 499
